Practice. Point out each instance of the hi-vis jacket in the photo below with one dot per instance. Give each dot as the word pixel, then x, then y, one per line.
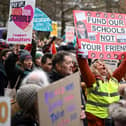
pixel 100 96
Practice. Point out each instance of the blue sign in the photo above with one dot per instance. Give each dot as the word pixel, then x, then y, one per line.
pixel 41 21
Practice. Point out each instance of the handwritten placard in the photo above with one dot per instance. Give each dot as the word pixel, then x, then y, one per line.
pixel 20 21
pixel 5 111
pixel 102 34
pixel 59 104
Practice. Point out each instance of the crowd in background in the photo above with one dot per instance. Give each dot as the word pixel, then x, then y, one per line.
pixel 28 68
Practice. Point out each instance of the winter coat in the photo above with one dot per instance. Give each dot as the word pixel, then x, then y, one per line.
pixel 13 72
pixel 21 120
pixel 3 79
pixel 54 76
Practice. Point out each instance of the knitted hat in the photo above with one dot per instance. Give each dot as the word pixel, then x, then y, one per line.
pixel 38 54
pixel 24 54
pixel 26 96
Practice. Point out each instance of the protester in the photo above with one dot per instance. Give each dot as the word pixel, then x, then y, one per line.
pixel 37 77
pixel 15 71
pixel 3 75
pixel 27 100
pixel 62 66
pixel 102 87
pixel 118 110
pixel 46 62
pixel 38 57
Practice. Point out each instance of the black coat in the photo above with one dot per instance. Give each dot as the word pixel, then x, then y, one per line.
pixel 54 76
pixel 21 120
pixel 3 79
pixel 13 72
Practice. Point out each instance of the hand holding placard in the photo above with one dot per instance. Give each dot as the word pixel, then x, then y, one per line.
pixel 82 53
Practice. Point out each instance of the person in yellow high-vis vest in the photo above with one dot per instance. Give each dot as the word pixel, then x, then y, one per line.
pixel 102 87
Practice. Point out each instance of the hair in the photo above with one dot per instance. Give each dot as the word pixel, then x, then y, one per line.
pixel 4 35
pixel 4 52
pixel 45 57
pixel 26 98
pixel 59 57
pixel 117 111
pixel 37 77
pixel 95 71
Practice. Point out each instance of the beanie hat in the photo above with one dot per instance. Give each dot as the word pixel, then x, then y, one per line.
pixel 26 96
pixel 38 55
pixel 24 54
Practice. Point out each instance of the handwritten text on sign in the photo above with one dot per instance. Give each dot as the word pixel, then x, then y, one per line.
pixel 61 102
pixel 103 34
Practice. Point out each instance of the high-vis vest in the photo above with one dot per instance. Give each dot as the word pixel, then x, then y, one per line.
pixel 100 96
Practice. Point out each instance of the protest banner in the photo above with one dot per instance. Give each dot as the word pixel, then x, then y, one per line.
pixel 20 23
pixel 41 21
pixel 59 103
pixel 102 34
pixel 69 34
pixel 5 111
pixel 54 31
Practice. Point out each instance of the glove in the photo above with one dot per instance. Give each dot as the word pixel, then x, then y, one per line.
pixel 82 53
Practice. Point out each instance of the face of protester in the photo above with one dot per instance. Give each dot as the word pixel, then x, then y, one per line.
pixel 65 68
pixel 101 67
pixel 6 55
pixel 38 61
pixel 48 65
pixel 27 64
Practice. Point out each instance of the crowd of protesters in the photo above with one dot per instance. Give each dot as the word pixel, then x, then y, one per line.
pixel 28 68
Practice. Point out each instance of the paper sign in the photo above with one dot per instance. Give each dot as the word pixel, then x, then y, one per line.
pixel 112 64
pixel 69 34
pixel 20 22
pixel 59 103
pixel 54 29
pixel 102 34
pixel 5 111
pixel 41 21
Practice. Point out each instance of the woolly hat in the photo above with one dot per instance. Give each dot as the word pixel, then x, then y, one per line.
pixel 24 54
pixel 118 111
pixel 38 54
pixel 26 96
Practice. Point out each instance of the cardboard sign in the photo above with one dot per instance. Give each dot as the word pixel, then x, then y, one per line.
pixel 5 111
pixel 41 21
pixel 59 103
pixel 69 34
pixel 102 34
pixel 20 22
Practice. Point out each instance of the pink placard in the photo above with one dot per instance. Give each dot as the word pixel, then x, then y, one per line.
pixel 102 34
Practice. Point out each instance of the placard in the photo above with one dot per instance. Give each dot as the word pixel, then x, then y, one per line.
pixel 69 34
pixel 5 111
pixel 102 34
pixel 59 103
pixel 54 31
pixel 20 23
pixel 41 21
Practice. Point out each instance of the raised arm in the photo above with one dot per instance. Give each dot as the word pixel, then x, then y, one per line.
pixel 120 71
pixel 87 75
